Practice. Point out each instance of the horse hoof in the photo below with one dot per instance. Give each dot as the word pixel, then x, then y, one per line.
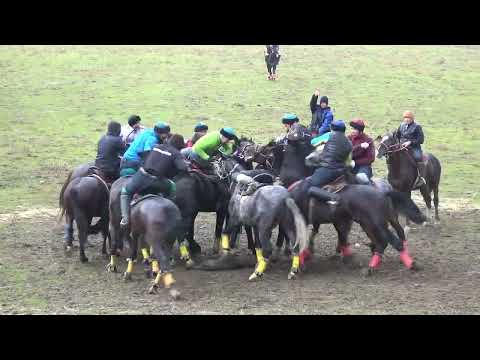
pixel 292 275
pixel 127 276
pixel 175 294
pixel 189 264
pixel 111 268
pixel 368 272
pixel 415 266
pixel 255 276
pixel 153 289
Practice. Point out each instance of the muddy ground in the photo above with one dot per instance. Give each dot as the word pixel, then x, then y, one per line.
pixel 37 277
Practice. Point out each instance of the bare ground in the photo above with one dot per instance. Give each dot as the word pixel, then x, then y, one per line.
pixel 38 277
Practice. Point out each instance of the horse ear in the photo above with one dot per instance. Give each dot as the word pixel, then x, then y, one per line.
pixel 378 138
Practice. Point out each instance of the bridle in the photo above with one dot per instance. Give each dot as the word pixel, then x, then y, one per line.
pixel 220 170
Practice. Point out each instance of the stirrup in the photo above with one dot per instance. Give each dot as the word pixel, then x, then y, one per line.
pixel 124 222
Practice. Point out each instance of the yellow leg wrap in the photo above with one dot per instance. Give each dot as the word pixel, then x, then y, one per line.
pixel 185 255
pixel 158 278
pixel 296 262
pixel 261 263
pixel 130 266
pixel 145 254
pixel 155 267
pixel 168 280
pixel 113 260
pixel 225 242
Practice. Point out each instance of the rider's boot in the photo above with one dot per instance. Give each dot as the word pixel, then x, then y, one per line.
pixel 421 174
pixel 125 199
pixel 322 195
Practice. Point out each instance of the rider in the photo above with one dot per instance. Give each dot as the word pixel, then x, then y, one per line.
pixel 271 67
pixel 332 160
pixel 293 129
pixel 322 115
pixel 143 144
pixel 154 175
pixel 132 130
pixel 209 144
pixel 109 151
pixel 410 135
pixel 199 131
pixel 363 152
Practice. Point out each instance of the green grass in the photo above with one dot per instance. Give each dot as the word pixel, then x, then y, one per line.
pixel 55 101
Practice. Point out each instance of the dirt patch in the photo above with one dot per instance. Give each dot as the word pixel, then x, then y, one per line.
pixel 38 277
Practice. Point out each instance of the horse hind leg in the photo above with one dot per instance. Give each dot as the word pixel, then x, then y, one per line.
pixel 82 225
pixel 161 253
pixel 425 191
pixel 127 275
pixel 436 201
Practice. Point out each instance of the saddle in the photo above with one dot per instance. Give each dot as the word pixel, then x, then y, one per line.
pixel 138 198
pixel 336 185
pixel 99 178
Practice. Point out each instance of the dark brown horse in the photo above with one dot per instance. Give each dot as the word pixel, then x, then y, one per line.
pixel 82 199
pixel 402 171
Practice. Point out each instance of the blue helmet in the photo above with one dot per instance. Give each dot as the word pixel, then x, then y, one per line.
pixel 290 118
pixel 200 127
pixel 229 133
pixel 161 128
pixel 338 125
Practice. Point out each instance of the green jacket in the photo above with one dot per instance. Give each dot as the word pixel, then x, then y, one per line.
pixel 208 144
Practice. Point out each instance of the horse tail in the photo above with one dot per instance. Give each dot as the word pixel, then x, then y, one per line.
pixel 405 206
pixel 300 226
pixel 61 197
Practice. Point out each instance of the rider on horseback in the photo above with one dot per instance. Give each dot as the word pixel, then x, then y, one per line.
pixel 272 58
pixel 208 145
pixel 322 115
pixel 363 152
pixel 162 163
pixel 410 135
pixel 110 149
pixel 294 130
pixel 332 161
pixel 132 130
pixel 143 144
pixel 199 131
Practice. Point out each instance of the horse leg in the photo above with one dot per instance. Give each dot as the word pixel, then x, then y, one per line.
pixel 251 241
pixel 380 237
pixel 82 224
pixel 262 243
pixel 279 244
pixel 343 228
pixel 407 220
pixel 162 253
pixel 428 202
pixel 221 215
pixel 68 236
pixel 131 259
pixel 105 234
pixel 192 244
pixel 435 201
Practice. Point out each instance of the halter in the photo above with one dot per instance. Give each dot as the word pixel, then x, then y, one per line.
pixel 219 166
pixel 394 148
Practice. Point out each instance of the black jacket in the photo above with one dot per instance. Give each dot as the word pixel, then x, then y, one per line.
pixel 336 151
pixel 164 161
pixel 411 132
pixel 110 148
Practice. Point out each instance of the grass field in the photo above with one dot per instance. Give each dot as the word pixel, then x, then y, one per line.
pixel 55 101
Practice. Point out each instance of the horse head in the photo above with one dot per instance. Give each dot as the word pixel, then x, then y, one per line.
pixel 386 144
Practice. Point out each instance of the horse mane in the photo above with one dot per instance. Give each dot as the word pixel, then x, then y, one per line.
pixel 245 139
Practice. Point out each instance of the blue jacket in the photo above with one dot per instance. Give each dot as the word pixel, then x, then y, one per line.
pixel 323 120
pixel 144 142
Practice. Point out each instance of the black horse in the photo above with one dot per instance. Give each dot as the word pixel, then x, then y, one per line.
pixel 342 219
pixel 402 171
pixel 82 199
pixel 272 58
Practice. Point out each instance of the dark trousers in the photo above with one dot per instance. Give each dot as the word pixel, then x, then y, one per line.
pixel 416 153
pixel 272 67
pixel 366 169
pixel 322 176
pixel 142 184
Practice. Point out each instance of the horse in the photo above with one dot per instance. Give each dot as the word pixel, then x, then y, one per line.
pixel 82 199
pixel 272 59
pixel 80 171
pixel 343 220
pixel 268 207
pixel 154 222
pixel 402 171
